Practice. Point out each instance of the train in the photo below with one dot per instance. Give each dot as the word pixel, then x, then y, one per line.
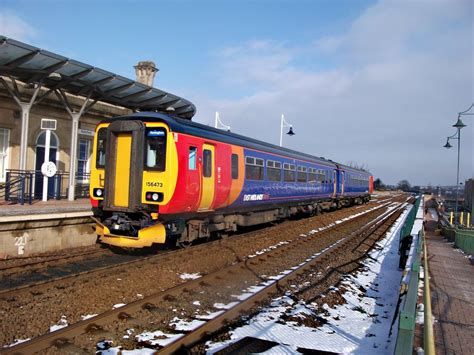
pixel 158 179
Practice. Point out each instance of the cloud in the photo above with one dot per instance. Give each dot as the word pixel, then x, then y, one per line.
pixel 13 26
pixel 392 88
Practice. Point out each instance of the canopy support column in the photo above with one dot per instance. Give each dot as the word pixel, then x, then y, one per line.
pixel 75 116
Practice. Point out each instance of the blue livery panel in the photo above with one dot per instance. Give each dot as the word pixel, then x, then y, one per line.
pixel 274 179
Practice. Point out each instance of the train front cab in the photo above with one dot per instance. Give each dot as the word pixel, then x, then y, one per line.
pixel 141 165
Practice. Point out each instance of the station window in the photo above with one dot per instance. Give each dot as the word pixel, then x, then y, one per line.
pixel 192 158
pixel 101 143
pixel 289 173
pixel 253 168
pixel 207 161
pixel 83 159
pixel 155 149
pixel 273 170
pixel 235 166
pixel 301 174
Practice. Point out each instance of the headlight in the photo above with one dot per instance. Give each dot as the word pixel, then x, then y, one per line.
pixel 98 192
pixel 154 196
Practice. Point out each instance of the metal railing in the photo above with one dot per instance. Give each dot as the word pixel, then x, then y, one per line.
pixel 409 287
pixel 27 185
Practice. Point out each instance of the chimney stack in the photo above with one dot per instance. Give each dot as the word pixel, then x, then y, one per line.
pixel 145 72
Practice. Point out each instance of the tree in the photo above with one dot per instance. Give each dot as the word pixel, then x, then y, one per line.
pixel 404 185
pixel 378 184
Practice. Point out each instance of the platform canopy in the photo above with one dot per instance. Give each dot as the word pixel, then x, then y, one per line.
pixel 31 64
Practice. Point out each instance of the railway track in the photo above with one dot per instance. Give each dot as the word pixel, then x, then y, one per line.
pixel 59 268
pixel 218 285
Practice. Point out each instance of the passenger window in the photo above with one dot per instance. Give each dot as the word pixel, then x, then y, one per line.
pixel 101 141
pixel 155 149
pixel 192 158
pixel 273 170
pixel 301 176
pixel 289 173
pixel 235 166
pixel 207 161
pixel 253 168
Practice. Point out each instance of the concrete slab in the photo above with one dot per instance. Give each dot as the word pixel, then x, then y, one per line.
pixel 43 227
pixel 452 277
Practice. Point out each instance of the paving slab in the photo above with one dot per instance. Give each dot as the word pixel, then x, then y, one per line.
pixel 47 207
pixel 452 292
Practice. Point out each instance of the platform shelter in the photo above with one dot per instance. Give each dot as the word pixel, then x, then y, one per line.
pixel 37 84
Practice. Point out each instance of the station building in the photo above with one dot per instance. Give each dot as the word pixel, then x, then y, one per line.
pixel 41 90
pixel 60 147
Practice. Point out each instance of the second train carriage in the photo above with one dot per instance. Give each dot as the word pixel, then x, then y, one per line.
pixel 155 177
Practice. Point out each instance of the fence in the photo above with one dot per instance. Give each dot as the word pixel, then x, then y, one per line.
pixel 27 185
pixel 462 238
pixel 410 284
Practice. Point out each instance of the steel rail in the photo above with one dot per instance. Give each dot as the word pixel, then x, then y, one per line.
pixel 63 337
pixel 52 258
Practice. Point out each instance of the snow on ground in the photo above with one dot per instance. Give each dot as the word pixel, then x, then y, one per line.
pixel 186 276
pixel 61 324
pixel 118 305
pixel 360 326
pixel 182 325
pixel 16 342
pixel 87 316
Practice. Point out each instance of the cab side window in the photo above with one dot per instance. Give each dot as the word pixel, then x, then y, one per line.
pixel 101 142
pixel 192 158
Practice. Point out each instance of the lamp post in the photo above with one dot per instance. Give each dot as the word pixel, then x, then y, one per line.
pixel 283 125
pixel 458 125
pixel 218 122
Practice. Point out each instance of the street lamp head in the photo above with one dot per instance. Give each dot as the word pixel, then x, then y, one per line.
pixel 447 145
pixel 290 132
pixel 459 124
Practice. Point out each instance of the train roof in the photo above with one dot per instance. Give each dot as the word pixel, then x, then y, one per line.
pixel 180 125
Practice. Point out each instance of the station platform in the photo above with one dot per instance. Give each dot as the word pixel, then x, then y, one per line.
pixel 39 207
pixel 452 295
pixel 42 227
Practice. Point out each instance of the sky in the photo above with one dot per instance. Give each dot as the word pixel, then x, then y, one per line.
pixel 378 84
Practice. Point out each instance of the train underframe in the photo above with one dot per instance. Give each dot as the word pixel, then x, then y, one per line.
pixel 139 230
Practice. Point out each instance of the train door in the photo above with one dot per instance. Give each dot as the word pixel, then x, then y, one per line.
pixel 124 162
pixel 208 177
pixel 343 174
pixel 334 183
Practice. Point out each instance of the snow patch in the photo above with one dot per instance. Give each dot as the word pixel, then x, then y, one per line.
pixel 157 338
pixel 182 325
pixel 61 324
pixel 360 326
pixel 187 276
pixel 87 316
